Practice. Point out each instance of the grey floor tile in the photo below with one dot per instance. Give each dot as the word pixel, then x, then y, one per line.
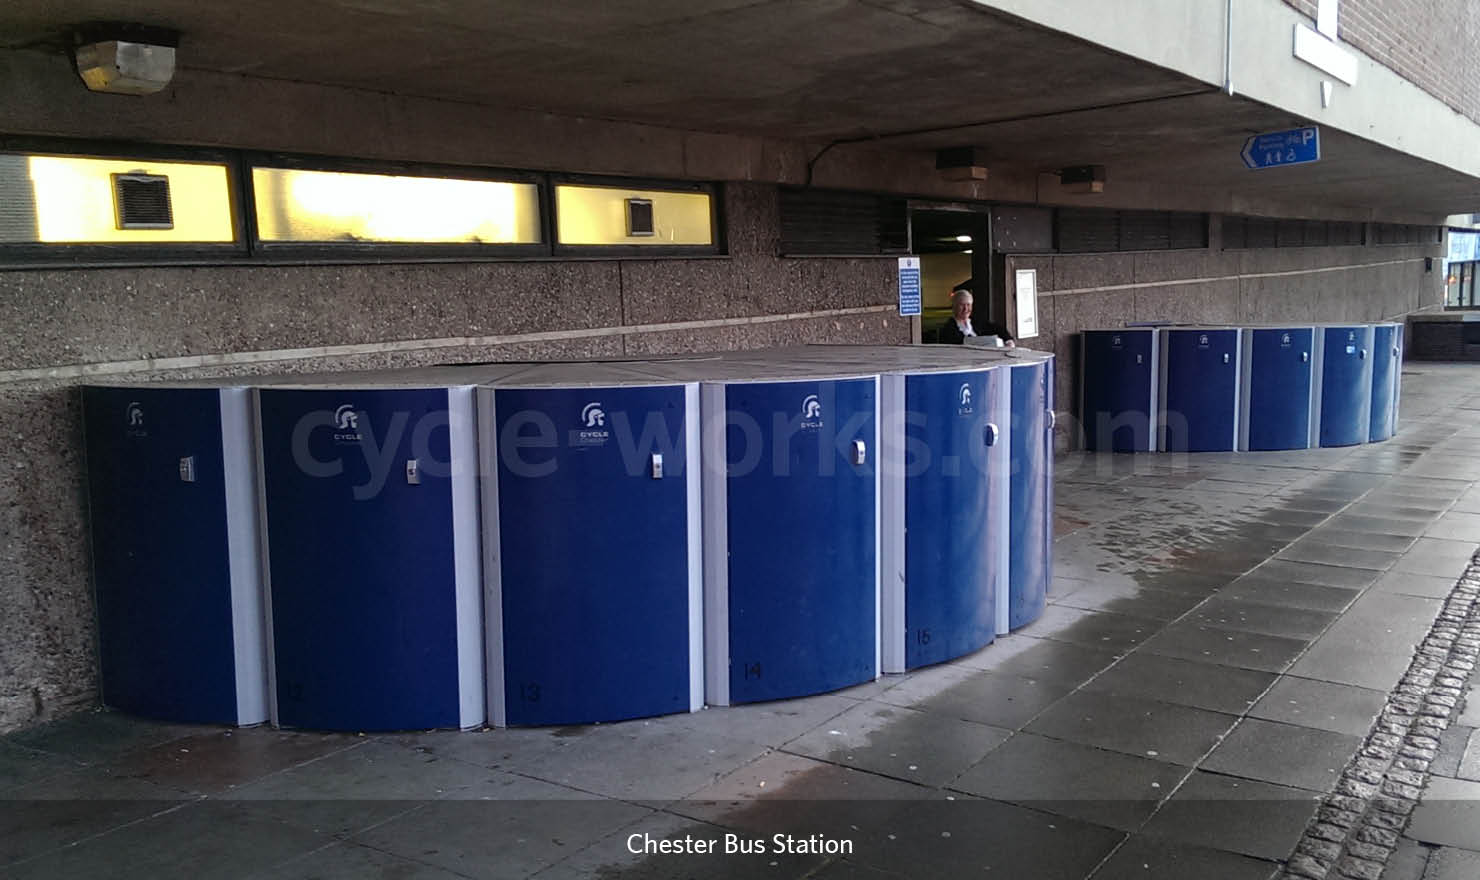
pixel 61 810
pixel 1184 580
pixel 1248 650
pixel 1315 573
pixel 503 749
pixel 1111 632
pixel 1134 726
pixel 1394 510
pixel 1358 540
pixel 204 839
pixel 1150 858
pixel 998 699
pixel 771 724
pixel 101 734
pixel 1456 526
pixel 1135 601
pixel 467 837
pixel 1446 548
pixel 920 747
pixel 1453 743
pixel 1309 550
pixel 1293 516
pixel 1096 785
pixel 1422 562
pixel 1448 814
pixel 612 858
pixel 1381 524
pixel 1274 620
pixel 781 792
pixel 1046 660
pixel 214 763
pixel 1270 591
pixel 1255 819
pixel 641 760
pixel 20 766
pixel 1452 863
pixel 994 839
pixel 350 861
pixel 1208 686
pixel 1320 704
pixel 1408 861
pixel 1411 584
pixel 1284 754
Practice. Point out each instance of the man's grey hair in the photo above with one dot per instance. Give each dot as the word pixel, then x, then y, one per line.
pixel 959 295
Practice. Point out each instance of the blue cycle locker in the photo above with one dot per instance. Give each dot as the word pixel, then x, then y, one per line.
pixel 1345 384
pixel 1031 525
pixel 944 471
pixel 1199 389
pixel 1278 403
pixel 592 543
pixel 791 534
pixel 1387 367
pixel 371 510
pixel 176 556
pixel 1119 383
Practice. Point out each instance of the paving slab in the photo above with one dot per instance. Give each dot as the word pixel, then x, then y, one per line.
pixel 1134 726
pixel 1258 617
pixel 1269 591
pixel 1255 819
pixel 1144 857
pixel 1248 650
pixel 1448 814
pixel 1412 584
pixel 994 698
pixel 1452 863
pixel 1210 686
pixel 1105 787
pixel 1285 754
pixel 1321 705
pixel 920 747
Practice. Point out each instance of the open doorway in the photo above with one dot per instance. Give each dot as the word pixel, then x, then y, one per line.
pixel 953 246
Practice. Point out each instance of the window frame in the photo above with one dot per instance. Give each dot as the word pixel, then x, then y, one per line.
pixel 716 247
pixel 21 255
pixel 388 251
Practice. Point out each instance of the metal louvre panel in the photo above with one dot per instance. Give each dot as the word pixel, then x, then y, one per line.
pixel 1087 230
pixel 143 201
pixel 841 223
pixel 1145 231
pixel 1187 230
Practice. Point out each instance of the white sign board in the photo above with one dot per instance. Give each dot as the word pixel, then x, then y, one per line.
pixel 1027 303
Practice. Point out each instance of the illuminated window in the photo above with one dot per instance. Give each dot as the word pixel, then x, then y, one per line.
pixel 604 215
pixel 81 200
pixel 297 205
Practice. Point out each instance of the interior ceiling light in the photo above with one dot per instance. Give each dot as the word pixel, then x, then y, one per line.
pixel 964 239
pixel 125 59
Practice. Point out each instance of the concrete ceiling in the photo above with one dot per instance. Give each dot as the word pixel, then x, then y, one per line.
pixel 902 74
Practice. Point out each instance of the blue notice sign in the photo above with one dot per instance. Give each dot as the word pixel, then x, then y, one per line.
pixel 1293 147
pixel 909 285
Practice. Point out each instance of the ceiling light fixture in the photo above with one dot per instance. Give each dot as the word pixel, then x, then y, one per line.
pixel 125 59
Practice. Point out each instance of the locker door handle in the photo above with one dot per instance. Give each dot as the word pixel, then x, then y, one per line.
pixel 1305 357
pixel 1053 419
pixel 989 435
pixel 1226 357
pixel 1138 359
pixel 860 452
pixel 1362 353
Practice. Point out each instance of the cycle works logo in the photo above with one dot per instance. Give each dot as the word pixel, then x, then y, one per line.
pixel 1115 341
pixel 134 419
pixel 963 399
pixel 1285 340
pixel 811 413
pixel 347 425
pixel 1202 340
pixel 592 431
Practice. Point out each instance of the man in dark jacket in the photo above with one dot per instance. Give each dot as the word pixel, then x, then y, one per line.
pixel 959 326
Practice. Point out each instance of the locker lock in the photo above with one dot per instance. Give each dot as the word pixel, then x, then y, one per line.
pixel 413 472
pixel 1362 353
pixel 1305 357
pixel 860 452
pixel 187 469
pixel 1138 359
pixel 989 435
pixel 657 465
pixel 1225 357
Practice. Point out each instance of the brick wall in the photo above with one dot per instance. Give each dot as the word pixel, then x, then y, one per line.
pixel 1431 43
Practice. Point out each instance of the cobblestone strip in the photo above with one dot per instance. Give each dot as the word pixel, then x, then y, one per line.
pixel 1357 827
